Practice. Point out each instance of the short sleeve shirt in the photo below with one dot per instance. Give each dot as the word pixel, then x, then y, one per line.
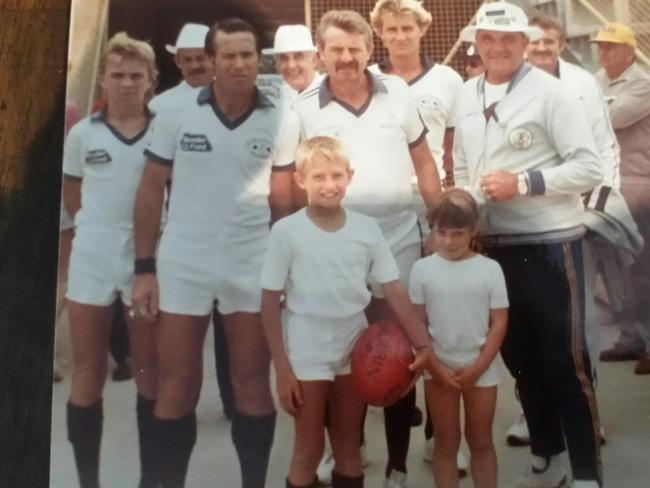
pixel 458 296
pixel 376 137
pixel 110 167
pixel 433 91
pixel 326 273
pixel 221 169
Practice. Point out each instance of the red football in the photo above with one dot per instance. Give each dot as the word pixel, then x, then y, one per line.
pixel 380 361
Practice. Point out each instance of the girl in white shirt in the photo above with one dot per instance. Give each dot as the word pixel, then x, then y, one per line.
pixel 462 295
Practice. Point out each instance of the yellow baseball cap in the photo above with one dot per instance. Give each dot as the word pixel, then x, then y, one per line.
pixel 616 33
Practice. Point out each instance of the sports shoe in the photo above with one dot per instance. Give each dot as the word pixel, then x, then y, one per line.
pixel 620 353
pixel 584 484
pixel 643 365
pixel 517 434
pixel 551 476
pixel 397 479
pixel 325 467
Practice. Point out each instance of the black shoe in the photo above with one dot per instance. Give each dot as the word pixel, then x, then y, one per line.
pixel 416 417
pixel 122 372
pixel 619 353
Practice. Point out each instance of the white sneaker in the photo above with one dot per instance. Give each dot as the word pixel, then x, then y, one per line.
pixel 461 462
pixel 397 479
pixel 584 484
pixel 324 470
pixel 517 434
pixel 427 455
pixel 551 476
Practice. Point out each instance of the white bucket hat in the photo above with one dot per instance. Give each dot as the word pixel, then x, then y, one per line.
pixel 501 17
pixel 291 39
pixel 191 36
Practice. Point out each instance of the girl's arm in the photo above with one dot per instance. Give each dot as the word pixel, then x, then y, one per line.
pixel 468 377
pixel 414 325
pixel 438 371
pixel 287 383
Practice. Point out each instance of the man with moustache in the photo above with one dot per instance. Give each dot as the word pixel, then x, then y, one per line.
pixel 229 152
pixel 626 87
pixel 524 148
pixel 191 60
pixel 375 118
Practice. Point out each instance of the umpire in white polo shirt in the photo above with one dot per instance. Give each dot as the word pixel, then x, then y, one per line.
pixel 525 149
pixel 229 152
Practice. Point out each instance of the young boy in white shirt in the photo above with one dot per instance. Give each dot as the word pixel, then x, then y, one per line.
pixel 321 258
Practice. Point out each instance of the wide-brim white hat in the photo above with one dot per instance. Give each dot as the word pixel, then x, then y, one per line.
pixel 501 17
pixel 291 39
pixel 191 36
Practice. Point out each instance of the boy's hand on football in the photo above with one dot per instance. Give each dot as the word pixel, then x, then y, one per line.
pixel 422 360
pixel 289 391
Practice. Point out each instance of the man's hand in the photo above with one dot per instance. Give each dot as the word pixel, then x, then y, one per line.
pixel 145 297
pixel 499 186
pixel 289 391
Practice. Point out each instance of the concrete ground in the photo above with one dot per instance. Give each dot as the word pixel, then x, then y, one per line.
pixel 624 402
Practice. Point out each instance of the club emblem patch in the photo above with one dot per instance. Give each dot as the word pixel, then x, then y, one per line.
pixel 520 138
pixel 260 148
pixel 195 143
pixel 98 156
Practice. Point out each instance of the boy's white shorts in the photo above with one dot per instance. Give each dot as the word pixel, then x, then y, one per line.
pixel 406 246
pixel 101 266
pixel 194 272
pixel 319 347
pixel 491 376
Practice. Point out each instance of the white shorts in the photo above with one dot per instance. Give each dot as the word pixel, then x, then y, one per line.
pixel 101 266
pixel 193 272
pixel 319 347
pixel 491 376
pixel 405 242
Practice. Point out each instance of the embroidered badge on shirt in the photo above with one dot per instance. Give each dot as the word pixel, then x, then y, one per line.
pixel 260 148
pixel 195 143
pixel 98 156
pixel 520 138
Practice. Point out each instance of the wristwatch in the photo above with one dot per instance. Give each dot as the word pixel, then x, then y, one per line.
pixel 522 184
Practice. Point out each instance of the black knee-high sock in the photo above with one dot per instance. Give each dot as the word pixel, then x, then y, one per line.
pixel 174 440
pixel 253 438
pixel 148 472
pixel 398 431
pixel 340 481
pixel 85 434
